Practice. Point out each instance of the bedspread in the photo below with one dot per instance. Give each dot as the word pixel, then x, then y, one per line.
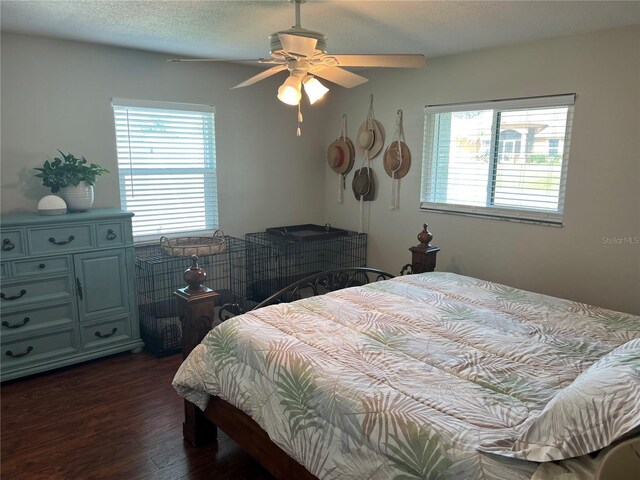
pixel 403 378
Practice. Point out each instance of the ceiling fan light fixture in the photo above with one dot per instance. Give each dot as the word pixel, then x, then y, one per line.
pixel 314 89
pixel 302 51
pixel 289 92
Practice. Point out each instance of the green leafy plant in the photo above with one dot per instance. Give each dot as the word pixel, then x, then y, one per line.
pixel 68 171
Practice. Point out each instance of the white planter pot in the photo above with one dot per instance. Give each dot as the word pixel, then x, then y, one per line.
pixel 78 198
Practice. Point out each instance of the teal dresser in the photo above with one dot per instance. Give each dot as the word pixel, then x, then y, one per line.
pixel 68 289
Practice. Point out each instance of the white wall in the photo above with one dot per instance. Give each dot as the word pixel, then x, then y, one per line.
pixel 603 190
pixel 57 94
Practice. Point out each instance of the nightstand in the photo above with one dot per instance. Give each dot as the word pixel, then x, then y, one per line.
pixel 423 256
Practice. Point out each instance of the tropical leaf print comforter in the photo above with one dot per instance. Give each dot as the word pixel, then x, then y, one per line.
pixel 406 378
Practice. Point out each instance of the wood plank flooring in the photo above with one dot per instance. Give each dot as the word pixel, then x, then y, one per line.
pixel 114 418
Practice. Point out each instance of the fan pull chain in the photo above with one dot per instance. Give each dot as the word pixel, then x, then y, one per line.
pixel 299 131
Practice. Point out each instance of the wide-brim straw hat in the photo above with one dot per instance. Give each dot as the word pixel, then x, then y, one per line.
pixel 352 154
pixel 392 157
pixel 363 184
pixel 338 155
pixel 372 137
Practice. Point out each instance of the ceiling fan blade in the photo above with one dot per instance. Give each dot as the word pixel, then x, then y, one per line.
pixel 185 60
pixel 297 45
pixel 261 76
pixel 339 76
pixel 393 61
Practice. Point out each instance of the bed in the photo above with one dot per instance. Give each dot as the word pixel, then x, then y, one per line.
pixel 435 376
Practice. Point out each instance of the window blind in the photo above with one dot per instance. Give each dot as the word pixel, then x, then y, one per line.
pixel 499 158
pixel 167 166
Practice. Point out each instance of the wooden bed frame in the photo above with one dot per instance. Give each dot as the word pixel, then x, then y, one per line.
pixel 201 427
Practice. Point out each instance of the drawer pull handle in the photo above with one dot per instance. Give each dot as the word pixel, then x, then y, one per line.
pixel 14 297
pixel 22 354
pixel 106 335
pixel 79 287
pixel 42 266
pixel 7 245
pixel 62 242
pixel 16 325
pixel 111 235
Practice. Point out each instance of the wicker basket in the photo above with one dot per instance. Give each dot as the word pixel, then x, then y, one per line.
pixel 188 246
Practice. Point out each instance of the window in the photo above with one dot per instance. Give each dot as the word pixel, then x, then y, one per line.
pixel 504 158
pixel 167 166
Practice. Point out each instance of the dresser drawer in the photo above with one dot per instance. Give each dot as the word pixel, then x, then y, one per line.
pixel 12 244
pixel 110 234
pixel 20 293
pixel 29 320
pixel 105 333
pixel 28 268
pixel 38 348
pixel 60 239
pixel 5 271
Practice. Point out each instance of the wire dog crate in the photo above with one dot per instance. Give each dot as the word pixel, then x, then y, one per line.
pixel 275 261
pixel 158 275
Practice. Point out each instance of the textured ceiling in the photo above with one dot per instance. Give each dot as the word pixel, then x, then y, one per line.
pixel 239 29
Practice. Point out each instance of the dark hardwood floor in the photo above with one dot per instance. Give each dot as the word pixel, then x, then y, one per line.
pixel 114 418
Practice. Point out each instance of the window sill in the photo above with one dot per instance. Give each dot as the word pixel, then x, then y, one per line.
pixel 517 216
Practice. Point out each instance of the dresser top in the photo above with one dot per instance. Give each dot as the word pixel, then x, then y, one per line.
pixel 18 219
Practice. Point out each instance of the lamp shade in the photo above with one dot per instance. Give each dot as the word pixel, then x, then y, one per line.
pixel 314 89
pixel 52 205
pixel 289 91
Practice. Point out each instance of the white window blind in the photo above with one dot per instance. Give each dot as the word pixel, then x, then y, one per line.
pixel 167 166
pixel 504 158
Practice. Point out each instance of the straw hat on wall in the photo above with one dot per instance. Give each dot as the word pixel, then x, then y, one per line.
pixel 371 138
pixel 339 156
pixel 397 161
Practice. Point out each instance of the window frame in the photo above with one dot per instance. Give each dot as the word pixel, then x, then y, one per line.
pixel 518 214
pixel 211 217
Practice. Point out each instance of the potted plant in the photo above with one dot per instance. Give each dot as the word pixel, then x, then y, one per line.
pixel 73 177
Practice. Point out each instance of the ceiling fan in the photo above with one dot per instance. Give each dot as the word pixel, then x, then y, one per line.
pixel 303 53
